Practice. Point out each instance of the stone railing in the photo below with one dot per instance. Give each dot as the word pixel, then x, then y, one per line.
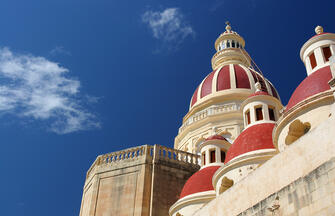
pixel 154 153
pixel 210 111
pixel 165 153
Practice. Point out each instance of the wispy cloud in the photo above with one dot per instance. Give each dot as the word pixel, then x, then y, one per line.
pixel 168 26
pixel 59 50
pixel 36 88
pixel 216 4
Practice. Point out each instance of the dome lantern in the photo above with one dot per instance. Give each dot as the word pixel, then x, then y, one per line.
pixel 230 49
pixel 260 107
pixel 316 52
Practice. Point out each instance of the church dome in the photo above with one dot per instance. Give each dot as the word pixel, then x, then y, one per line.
pixel 228 78
pixel 255 137
pixel 313 84
pixel 200 181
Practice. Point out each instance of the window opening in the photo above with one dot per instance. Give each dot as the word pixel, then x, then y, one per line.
pixel 259 113
pixel 312 60
pixel 223 156
pixel 248 117
pixel 228 43
pixel 326 53
pixel 233 44
pixel 204 158
pixel 212 156
pixel 272 114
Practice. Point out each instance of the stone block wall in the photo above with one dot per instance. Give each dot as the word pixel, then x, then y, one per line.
pixel 302 177
pixel 143 181
pixel 313 194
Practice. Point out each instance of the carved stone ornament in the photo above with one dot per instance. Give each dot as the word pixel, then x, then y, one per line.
pixel 296 130
pixel 225 184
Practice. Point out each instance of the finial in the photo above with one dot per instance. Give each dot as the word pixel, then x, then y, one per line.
pixel 258 86
pixel 318 30
pixel 228 28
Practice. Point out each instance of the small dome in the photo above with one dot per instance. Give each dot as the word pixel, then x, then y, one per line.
pixel 200 181
pixel 220 80
pixel 315 83
pixel 256 137
pixel 216 137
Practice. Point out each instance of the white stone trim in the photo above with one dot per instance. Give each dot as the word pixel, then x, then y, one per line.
pixel 261 155
pixel 200 197
pixel 232 76
pixel 215 79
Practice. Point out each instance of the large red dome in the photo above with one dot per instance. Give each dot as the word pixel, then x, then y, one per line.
pixel 315 83
pixel 200 181
pixel 256 137
pixel 234 76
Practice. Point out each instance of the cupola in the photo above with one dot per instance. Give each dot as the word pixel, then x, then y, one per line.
pixel 230 49
pixel 213 151
pixel 260 107
pixel 311 102
pixel 315 53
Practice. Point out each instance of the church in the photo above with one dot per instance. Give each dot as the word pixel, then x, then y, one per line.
pixel 239 150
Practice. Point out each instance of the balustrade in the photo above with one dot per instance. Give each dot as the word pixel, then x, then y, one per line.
pixel 145 150
pixel 212 110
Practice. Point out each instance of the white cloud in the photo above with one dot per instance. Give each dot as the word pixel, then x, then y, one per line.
pixel 168 25
pixel 34 87
pixel 59 50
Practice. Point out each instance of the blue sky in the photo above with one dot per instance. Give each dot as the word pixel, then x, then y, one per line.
pixel 83 78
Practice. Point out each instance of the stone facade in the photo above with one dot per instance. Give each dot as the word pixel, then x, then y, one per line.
pixel 313 194
pixel 144 180
pixel 302 177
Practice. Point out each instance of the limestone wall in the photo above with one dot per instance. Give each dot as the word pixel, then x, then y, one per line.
pixel 313 194
pixel 302 176
pixel 144 181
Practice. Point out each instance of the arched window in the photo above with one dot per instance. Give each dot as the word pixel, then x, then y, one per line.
pixel 228 43
pixel 237 44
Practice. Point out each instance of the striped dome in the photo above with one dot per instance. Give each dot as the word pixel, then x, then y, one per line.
pixel 230 77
